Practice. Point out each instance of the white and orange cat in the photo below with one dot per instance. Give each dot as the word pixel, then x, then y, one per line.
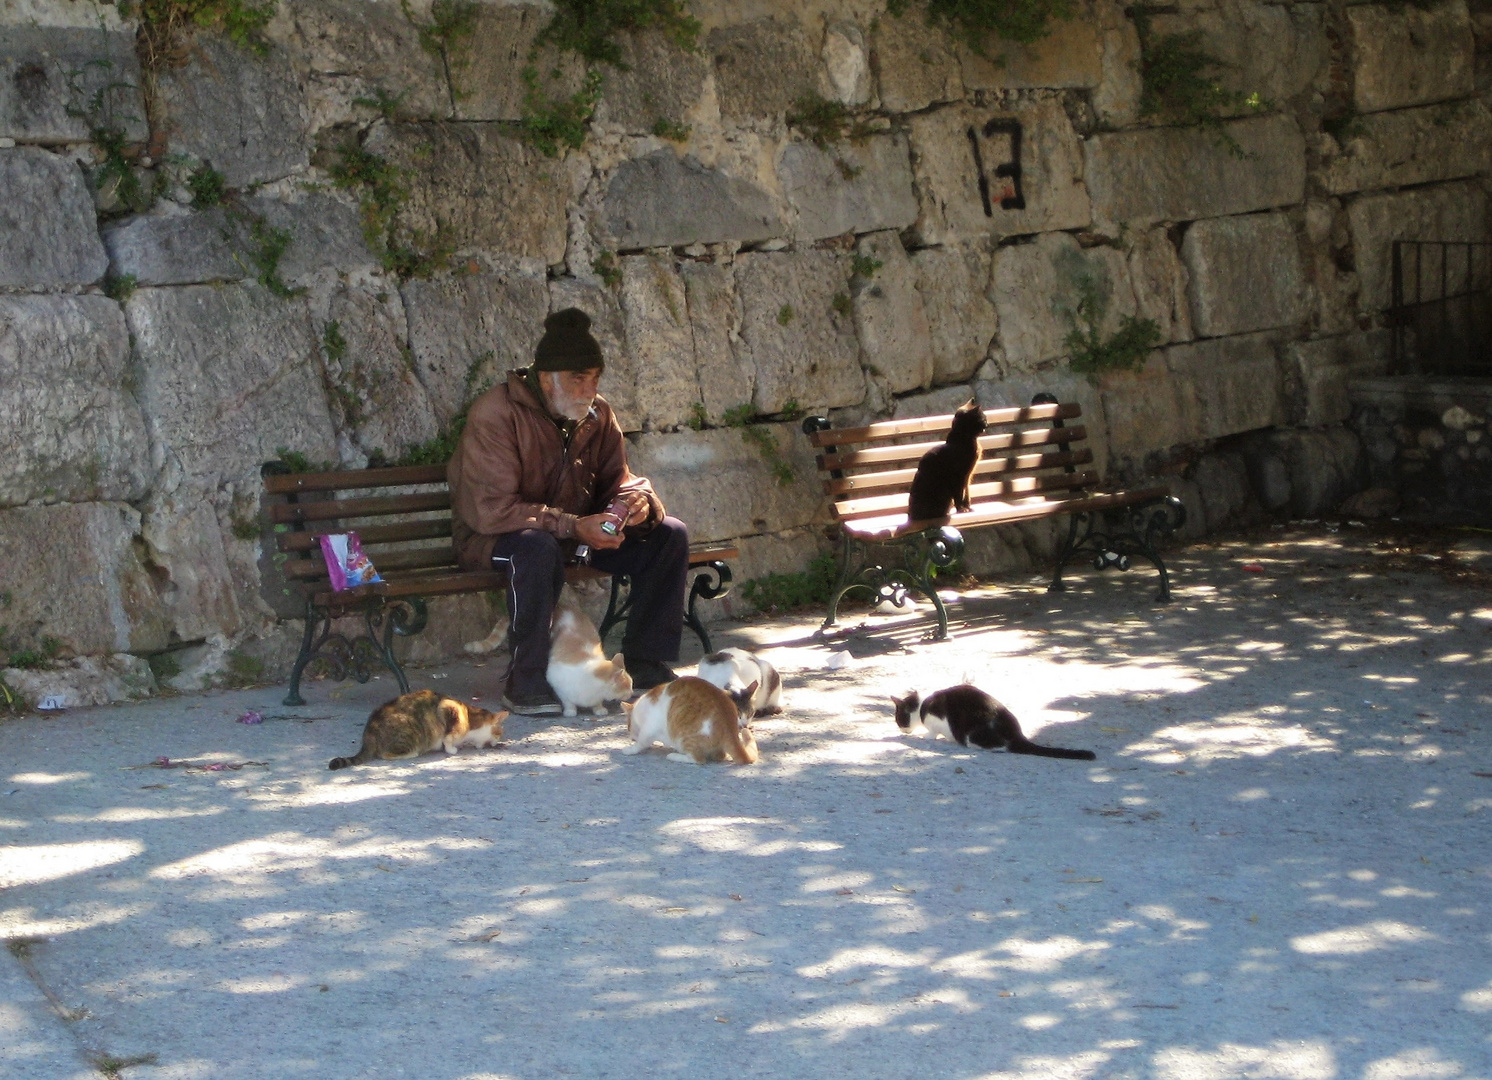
pixel 579 673
pixel 698 721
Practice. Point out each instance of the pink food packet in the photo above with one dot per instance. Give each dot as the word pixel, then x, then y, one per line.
pixel 346 565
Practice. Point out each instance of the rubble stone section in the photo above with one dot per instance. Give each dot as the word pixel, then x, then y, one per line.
pixel 1410 56
pixel 69 430
pixel 1181 174
pixel 663 200
pixel 242 113
pixel 110 608
pixel 57 84
pixel 48 238
pixel 1244 273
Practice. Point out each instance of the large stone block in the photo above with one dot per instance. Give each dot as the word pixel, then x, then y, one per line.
pixel 1069 57
pixel 662 200
pixel 466 333
pixel 1244 274
pixel 172 247
pixel 189 563
pixel 1181 174
pixel 719 483
pixel 1227 385
pixel 661 82
pixel 1410 146
pixel 325 233
pixel 726 380
pixel 1193 393
pixel 619 384
pixel 487 68
pixel 802 349
pixel 952 205
pixel 85 680
pixel 57 84
pixel 962 320
pixel 68 428
pixel 849 188
pixel 241 112
pixel 889 317
pixel 761 68
pixel 48 235
pixel 660 336
pixel 1410 55
pixel 372 375
pixel 1017 391
pixel 1159 280
pixel 1038 288
pixel 91 593
pixel 490 190
pixel 915 64
pixel 350 49
pixel 1456 211
pixel 846 61
pixel 1317 373
pixel 1275 51
pixel 227 375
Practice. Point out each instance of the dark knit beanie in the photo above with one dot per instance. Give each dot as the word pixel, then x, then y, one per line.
pixel 567 344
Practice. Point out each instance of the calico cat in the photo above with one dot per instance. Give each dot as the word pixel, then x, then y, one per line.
pixel 579 673
pixel 417 723
pixel 943 474
pixel 732 669
pixel 698 721
pixel 965 714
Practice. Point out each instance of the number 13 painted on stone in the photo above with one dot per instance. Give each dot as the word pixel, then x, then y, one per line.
pixel 1012 197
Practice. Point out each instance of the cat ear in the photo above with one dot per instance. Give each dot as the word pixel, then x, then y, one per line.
pixel 619 661
pixel 750 691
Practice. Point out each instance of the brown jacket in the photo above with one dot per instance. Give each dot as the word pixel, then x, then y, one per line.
pixel 512 471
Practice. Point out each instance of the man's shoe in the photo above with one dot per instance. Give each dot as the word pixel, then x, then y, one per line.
pixel 647 674
pixel 534 703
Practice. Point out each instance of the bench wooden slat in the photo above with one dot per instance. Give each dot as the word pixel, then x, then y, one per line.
pixel 428 529
pixel 1012 464
pixel 378 506
pixel 352 480
pixel 891 526
pixel 1002 490
pixel 395 566
pixel 892 429
pixel 886 455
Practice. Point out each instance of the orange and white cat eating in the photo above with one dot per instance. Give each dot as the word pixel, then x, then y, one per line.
pixel 699 722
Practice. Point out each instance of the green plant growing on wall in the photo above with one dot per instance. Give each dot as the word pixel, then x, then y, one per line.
pixel 117 169
pixel 548 124
pixel 334 342
pixel 607 268
pixel 811 587
pixel 590 27
pixel 167 25
pixel 207 185
pixel 268 245
pixel 761 437
pixel 1090 351
pixel 786 315
pixel 384 191
pixel 865 266
pixel 972 21
pixel 699 416
pixel 671 130
pixel 384 103
pixel 119 287
pixel 447 35
pixel 1179 85
pixel 827 122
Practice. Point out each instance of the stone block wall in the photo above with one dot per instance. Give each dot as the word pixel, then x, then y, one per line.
pixel 153 355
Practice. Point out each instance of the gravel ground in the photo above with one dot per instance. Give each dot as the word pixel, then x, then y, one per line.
pixel 1278 867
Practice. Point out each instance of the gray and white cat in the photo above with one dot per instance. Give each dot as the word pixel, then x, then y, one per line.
pixel 734 669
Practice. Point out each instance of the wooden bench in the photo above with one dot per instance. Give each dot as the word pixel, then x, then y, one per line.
pixel 1032 467
pixel 403 518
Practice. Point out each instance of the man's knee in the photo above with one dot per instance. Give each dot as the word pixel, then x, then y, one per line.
pixel 536 544
pixel 672 533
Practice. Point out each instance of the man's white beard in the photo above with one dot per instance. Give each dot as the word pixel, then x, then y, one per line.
pixel 576 408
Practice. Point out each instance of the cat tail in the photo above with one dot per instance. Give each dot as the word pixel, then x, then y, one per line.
pixel 742 748
pixel 1023 745
pixel 363 754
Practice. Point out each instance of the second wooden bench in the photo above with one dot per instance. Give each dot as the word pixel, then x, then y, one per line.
pixel 1034 465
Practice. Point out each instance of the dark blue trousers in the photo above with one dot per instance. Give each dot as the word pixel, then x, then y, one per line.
pixel 656 564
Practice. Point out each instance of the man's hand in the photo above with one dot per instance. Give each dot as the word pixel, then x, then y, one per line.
pixel 588 530
pixel 637 506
